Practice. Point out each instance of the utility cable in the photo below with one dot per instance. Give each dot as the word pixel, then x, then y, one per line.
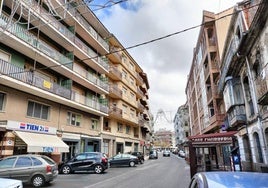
pixel 166 36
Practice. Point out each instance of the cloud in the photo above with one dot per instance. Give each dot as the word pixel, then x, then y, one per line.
pixel 167 62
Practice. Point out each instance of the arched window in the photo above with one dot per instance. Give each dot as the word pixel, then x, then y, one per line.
pixel 246 147
pixel 266 135
pixel 258 151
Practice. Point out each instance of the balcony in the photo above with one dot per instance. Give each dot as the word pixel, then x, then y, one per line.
pixel 115 92
pixel 29 78
pixel 140 108
pixel 82 50
pixel 140 94
pixel 215 122
pixel 47 55
pixel 114 73
pixel 139 79
pixel 115 54
pixel 262 90
pixel 64 10
pixel 237 115
pixel 115 112
pixel 107 129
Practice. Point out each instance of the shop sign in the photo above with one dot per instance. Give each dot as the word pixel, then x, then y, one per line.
pixel 29 127
pixel 49 149
pixel 224 139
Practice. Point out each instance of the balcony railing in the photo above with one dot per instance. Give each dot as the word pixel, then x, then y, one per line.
pixel 114 70
pixel 68 34
pixel 29 77
pixel 113 89
pixel 33 41
pixel 29 38
pixel 115 111
pixel 82 21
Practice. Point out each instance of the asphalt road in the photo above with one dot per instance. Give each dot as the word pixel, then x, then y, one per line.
pixel 164 172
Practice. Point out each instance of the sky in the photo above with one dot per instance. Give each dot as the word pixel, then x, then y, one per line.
pixel 167 61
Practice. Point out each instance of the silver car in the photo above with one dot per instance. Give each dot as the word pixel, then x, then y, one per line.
pixel 227 179
pixel 31 169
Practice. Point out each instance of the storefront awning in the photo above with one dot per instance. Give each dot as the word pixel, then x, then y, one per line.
pixel 42 142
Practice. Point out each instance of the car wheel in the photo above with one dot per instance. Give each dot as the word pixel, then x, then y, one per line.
pixel 98 169
pixel 131 163
pixel 66 170
pixel 38 181
pixel 142 161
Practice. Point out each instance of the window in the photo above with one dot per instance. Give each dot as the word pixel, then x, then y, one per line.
pixel 125 109
pixel 73 119
pixel 124 75
pixel 127 129
pixel 2 101
pixel 132 113
pixel 38 110
pixel 132 82
pixel 132 96
pixel 94 124
pixel 81 157
pixel 124 90
pixel 119 127
pixel 23 162
pixel 131 66
pixel 7 163
pixel 258 150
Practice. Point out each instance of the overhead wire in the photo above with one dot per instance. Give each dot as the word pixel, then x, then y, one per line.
pixel 159 38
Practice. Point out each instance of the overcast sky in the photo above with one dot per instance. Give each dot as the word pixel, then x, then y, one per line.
pixel 166 62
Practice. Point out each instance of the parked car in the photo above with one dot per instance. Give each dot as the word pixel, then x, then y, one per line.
pixel 124 159
pixel 32 169
pixel 166 153
pixel 87 161
pixel 10 183
pixel 139 155
pixel 181 153
pixel 229 179
pixel 153 154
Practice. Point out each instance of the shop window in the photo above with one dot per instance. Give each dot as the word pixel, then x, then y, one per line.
pixel 38 110
pixel 2 101
pixel 73 119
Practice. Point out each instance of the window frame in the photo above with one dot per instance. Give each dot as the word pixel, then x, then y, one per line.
pixel 3 101
pixel 34 113
pixel 76 116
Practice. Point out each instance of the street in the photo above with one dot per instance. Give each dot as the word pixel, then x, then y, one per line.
pixel 171 172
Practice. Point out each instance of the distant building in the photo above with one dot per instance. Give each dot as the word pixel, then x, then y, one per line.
pixel 164 139
pixel 181 126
